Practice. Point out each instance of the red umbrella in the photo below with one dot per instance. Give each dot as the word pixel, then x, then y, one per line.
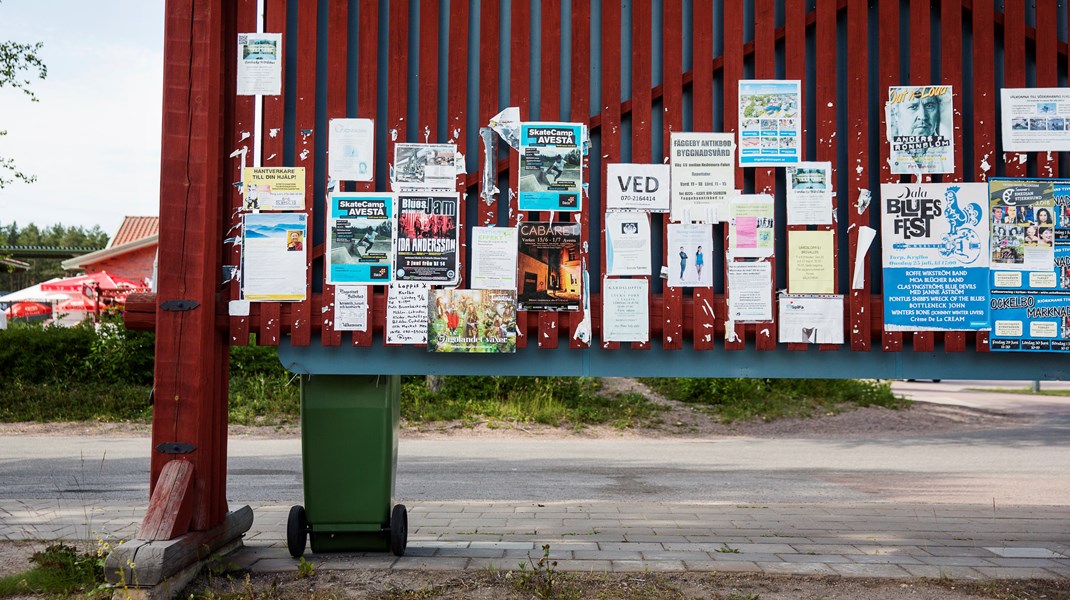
pixel 106 283
pixel 79 303
pixel 28 309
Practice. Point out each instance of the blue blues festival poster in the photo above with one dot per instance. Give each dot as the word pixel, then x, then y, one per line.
pixel 935 252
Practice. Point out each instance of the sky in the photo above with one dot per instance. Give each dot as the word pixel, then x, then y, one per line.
pixel 93 139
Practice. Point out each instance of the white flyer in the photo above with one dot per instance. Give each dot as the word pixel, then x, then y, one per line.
pixel 703 176
pixel 425 167
pixel 750 226
pixel 1036 119
pixel 628 243
pixel 811 319
pixel 691 244
pixel 809 193
pixel 406 313
pixel 274 258
pixel 494 258
pixel 351 150
pixel 259 64
pixel 637 187
pixel 750 292
pixel 625 310
pixel 351 308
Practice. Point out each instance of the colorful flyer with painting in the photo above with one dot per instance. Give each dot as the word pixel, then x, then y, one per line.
pixel 273 188
pixel 920 129
pixel 360 244
pixel 426 248
pixel 769 124
pixel 274 257
pixel 474 321
pixel 551 166
pixel 934 240
pixel 549 266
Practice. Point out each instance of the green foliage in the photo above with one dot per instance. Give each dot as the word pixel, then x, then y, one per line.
pixel 742 399
pixel 305 569
pixel 118 354
pixel 255 360
pixel 264 399
pixel 43 269
pixel 548 400
pixel 73 401
pixel 16 59
pixel 32 353
pixel 59 569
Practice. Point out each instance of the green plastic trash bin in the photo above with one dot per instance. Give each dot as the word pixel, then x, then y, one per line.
pixel 349 450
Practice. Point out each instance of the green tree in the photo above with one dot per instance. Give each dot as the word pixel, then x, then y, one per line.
pixel 19 67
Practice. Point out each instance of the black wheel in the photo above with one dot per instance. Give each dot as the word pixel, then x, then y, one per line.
pixel 296 531
pixel 399 529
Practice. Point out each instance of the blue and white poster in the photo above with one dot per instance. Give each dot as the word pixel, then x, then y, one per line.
pixel 769 123
pixel 551 166
pixel 274 257
pixel 1030 279
pixel 360 245
pixel 935 256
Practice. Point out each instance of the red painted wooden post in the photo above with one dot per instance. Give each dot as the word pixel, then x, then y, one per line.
pixel 951 74
pixel 765 334
pixel 241 117
pixel 892 341
pixel 642 82
pixel 188 408
pixel 368 36
pixel 733 72
pixel 795 68
pixel 858 160
pixel 427 80
pixel 828 139
pixel 921 74
pixel 271 134
pixel 337 72
pixel 456 112
pixel 519 87
pixel 703 310
pixel 1047 62
pixel 489 17
pixel 580 102
pixel 550 110
pixel 611 116
pixel 984 103
pixel 672 88
pixel 305 154
pixel 397 106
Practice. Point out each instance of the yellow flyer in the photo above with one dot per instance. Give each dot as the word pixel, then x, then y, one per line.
pixel 273 188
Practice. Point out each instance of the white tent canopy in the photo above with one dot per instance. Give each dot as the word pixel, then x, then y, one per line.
pixel 34 294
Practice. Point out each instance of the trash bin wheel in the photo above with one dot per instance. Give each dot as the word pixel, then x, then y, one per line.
pixel 399 529
pixel 296 531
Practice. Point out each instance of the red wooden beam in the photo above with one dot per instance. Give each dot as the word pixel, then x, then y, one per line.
pixel 702 120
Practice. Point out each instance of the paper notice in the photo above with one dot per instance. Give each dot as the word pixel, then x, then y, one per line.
pixel 406 314
pixel 494 258
pixel 628 243
pixel 811 263
pixel 750 295
pixel 351 308
pixel 625 310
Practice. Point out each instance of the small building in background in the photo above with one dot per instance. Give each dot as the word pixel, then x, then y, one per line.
pixel 130 253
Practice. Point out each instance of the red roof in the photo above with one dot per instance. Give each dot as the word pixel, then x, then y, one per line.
pixel 135 228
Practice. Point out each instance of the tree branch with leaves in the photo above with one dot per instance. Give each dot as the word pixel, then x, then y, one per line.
pixel 20 65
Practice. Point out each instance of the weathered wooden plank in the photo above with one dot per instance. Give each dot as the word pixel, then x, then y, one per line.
pixel 337 70
pixel 921 74
pixel 240 134
pixel 984 103
pixel 703 315
pixel 305 153
pixel 457 114
pixel 765 334
pixel 732 73
pixel 397 107
pixel 825 50
pixel 1047 63
pixel 951 74
pixel 488 101
pixel 580 102
pixel 549 109
pixel 368 35
pixel 519 91
pixel 642 82
pixel 270 313
pixel 171 505
pixel 611 117
pixel 888 37
pixel 795 68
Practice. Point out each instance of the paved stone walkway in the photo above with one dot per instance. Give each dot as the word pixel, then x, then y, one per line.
pixel 865 540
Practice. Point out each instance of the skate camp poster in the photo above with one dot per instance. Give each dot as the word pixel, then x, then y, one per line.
pixel 551 166
pixel 360 244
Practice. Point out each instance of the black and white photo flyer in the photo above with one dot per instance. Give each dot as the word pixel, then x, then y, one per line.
pixel 425 167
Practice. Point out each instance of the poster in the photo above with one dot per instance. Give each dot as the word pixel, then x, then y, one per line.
pixel 810 319
pixel 1030 277
pixel 426 248
pixel 750 226
pixel 811 262
pixel 1036 119
pixel 637 187
pixel 494 258
pixel 549 266
pixel 935 256
pixel 273 188
pixel 1023 225
pixel 809 193
pixel 625 310
pixel 360 238
pixel 551 166
pixel 351 308
pixel 428 167
pixel 750 291
pixel 628 243
pixel 769 123
pixel 703 176
pixel 406 313
pixel 920 123
pixel 476 321
pixel 691 246
pixel 259 64
pixel 274 257
pixel 351 150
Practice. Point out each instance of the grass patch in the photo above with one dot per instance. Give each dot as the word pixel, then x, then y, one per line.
pixel 74 401
pixel 57 570
pixel 733 400
pixel 1026 391
pixel 557 401
pixel 264 399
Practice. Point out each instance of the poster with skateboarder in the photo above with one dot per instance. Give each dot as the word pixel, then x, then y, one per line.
pixel 360 244
pixel 551 166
